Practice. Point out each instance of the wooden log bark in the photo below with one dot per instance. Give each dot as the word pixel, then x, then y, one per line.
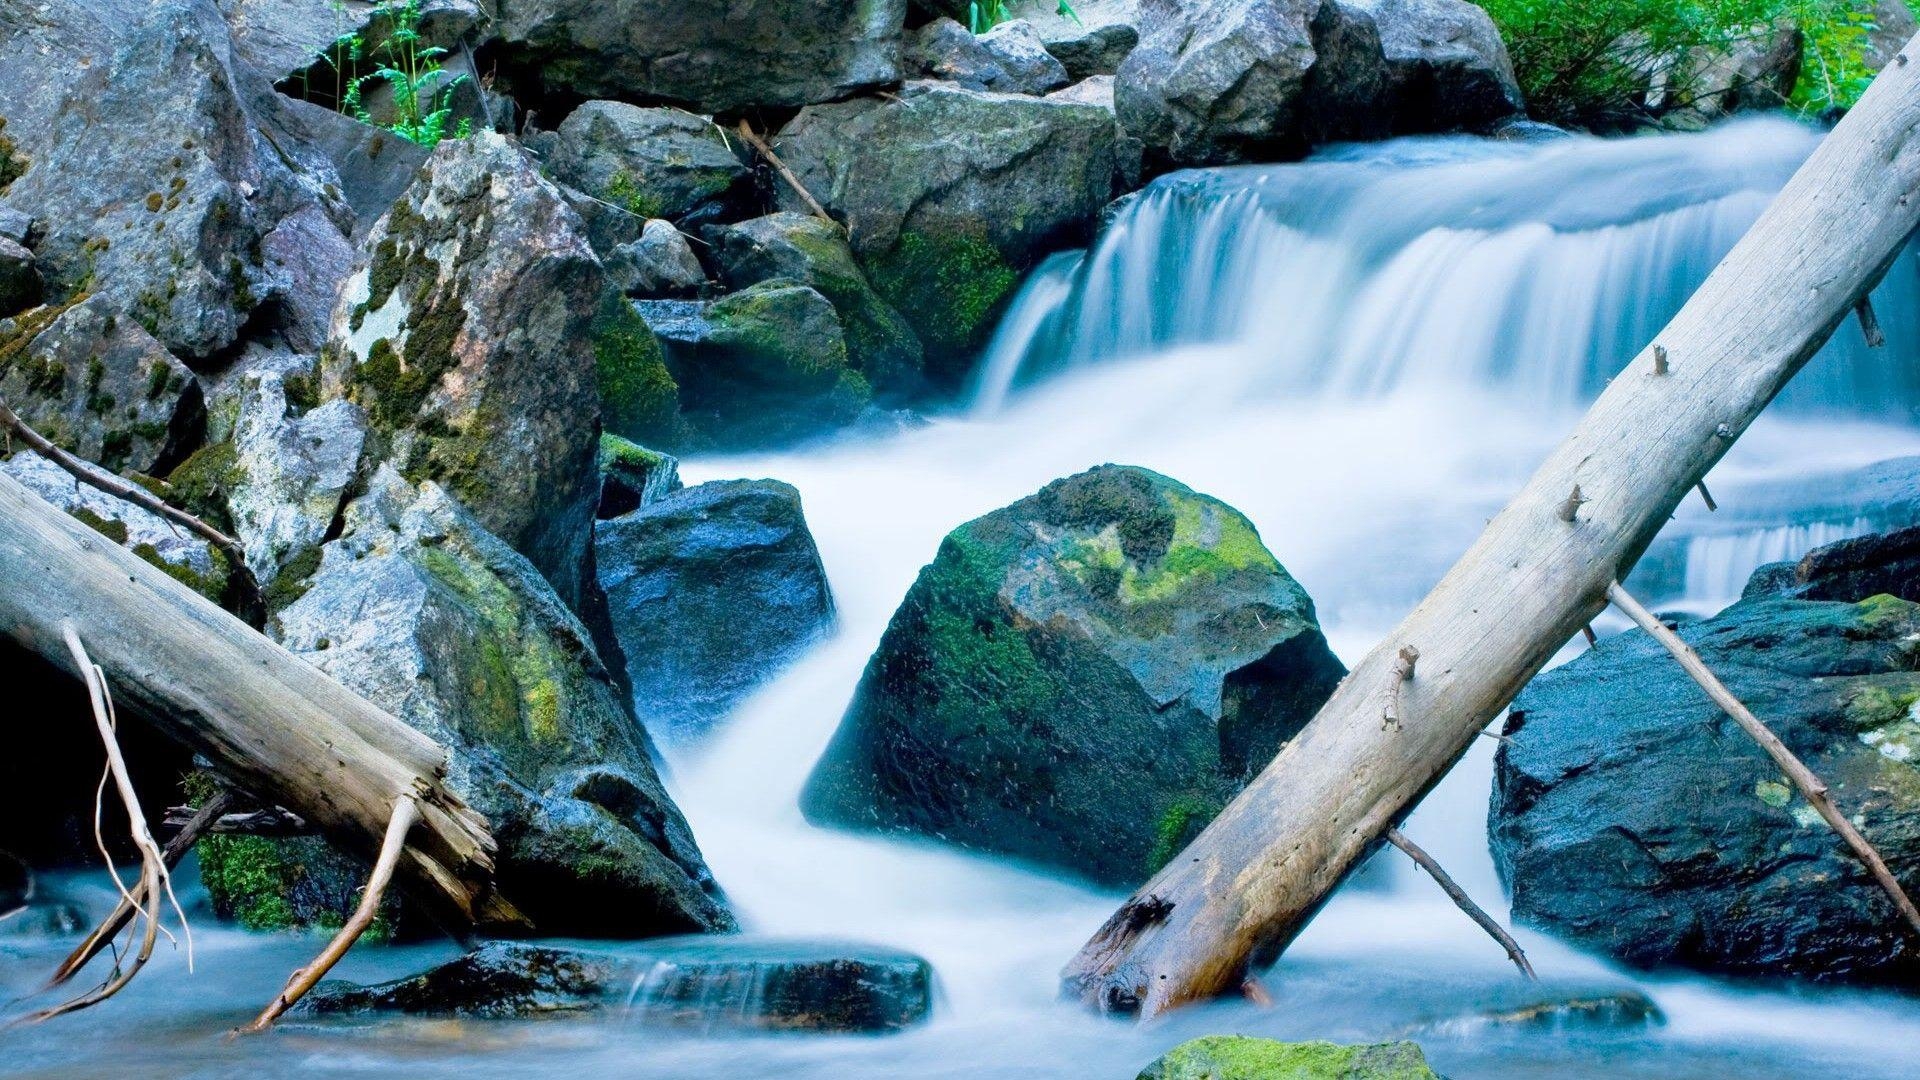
pixel 1538 574
pixel 271 723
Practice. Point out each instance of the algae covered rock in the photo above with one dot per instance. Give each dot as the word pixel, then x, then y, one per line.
pixel 712 55
pixel 654 163
pixel 470 333
pixel 881 346
pixel 420 610
pixel 268 884
pixel 1631 816
pixel 1082 679
pixel 713 590
pixel 1241 1057
pixel 632 476
pixel 951 194
pixel 91 380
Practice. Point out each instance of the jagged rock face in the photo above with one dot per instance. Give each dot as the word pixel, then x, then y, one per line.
pixel 654 163
pixel 469 334
pixel 374 166
pixel 1082 679
pixel 713 590
pixel 1631 816
pixel 1219 81
pixel 1242 1057
pixel 711 55
pixel 95 383
pixel 803 248
pixel 420 610
pixel 951 194
pixel 159 211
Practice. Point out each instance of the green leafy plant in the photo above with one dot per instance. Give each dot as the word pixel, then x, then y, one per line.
pixel 422 99
pixel 984 15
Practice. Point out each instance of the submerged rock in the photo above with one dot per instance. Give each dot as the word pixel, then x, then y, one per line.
pixel 96 384
pixel 1082 679
pixel 420 610
pixel 951 194
pixel 713 590
pixel 1241 1057
pixel 708 983
pixel 1631 816
pixel 469 334
pixel 654 163
pixel 712 55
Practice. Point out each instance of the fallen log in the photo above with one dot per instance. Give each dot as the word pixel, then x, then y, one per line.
pixel 1538 574
pixel 271 724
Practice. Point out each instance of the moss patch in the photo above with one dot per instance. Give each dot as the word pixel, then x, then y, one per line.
pixel 638 396
pixel 948 285
pixel 1238 1057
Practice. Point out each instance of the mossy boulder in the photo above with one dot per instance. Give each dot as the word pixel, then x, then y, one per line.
pixel 881 345
pixel 653 163
pixel 764 366
pixel 632 476
pixel 95 383
pixel 267 884
pixel 1082 679
pixel 951 194
pixel 471 334
pixel 713 590
pixel 1632 817
pixel 639 398
pixel 1241 1057
pixel 427 615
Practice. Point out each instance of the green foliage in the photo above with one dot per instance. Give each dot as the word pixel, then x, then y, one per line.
pixel 1593 64
pixel 984 15
pixel 422 99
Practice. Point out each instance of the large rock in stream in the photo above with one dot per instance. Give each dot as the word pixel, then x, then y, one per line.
pixel 1082 679
pixel 1242 1057
pixel 1632 817
pixel 422 611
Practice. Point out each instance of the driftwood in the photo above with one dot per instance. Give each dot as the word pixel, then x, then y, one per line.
pixel 1538 573
pixel 270 723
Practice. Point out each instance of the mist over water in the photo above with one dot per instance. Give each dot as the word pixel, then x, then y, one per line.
pixel 1367 354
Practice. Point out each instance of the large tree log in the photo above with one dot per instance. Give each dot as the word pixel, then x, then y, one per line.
pixel 268 721
pixel 1538 574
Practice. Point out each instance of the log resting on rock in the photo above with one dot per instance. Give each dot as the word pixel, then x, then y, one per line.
pixel 1249 883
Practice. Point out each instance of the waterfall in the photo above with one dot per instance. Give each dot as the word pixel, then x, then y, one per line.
pixel 1438 264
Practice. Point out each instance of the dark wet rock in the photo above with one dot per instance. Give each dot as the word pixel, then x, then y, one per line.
pixel 16 884
pixel 305 259
pixel 19 280
pixel 951 195
pixel 1446 65
pixel 881 345
pixel 373 166
pixel 471 334
pixel 632 476
pixel 660 263
pixel 1242 1057
pixel 708 983
pixel 424 613
pixel 713 589
pixel 1886 563
pixel 712 55
pixel 765 366
pixel 1603 1009
pixel 1632 817
pixel 185 557
pixel 91 380
pixel 1082 679
pixel 158 211
pixel 654 163
pixel 1093 50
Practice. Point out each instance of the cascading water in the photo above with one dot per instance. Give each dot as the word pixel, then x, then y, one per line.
pixel 1367 354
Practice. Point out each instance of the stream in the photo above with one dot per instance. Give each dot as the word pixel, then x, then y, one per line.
pixel 1366 353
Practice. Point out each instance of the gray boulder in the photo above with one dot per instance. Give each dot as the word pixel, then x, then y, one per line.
pixel 373 166
pixel 99 386
pixel 1446 65
pixel 1009 59
pixel 14 225
pixel 654 163
pixel 160 212
pixel 711 55
pixel 951 194
pixel 470 333
pixel 1095 41
pixel 660 263
pixel 1030 69
pixel 19 280
pixel 1630 816
pixel 714 590
pixel 1082 679
pixel 427 615
pixel 801 247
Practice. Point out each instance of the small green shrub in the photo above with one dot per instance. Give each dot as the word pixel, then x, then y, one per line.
pixel 984 15
pixel 422 101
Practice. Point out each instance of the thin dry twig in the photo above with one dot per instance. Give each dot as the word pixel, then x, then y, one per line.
pixel 1402 673
pixel 406 810
pixel 760 146
pixel 1461 900
pixel 1811 787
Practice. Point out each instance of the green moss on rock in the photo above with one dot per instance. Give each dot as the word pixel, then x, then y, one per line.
pixel 949 286
pixel 1240 1057
pixel 271 884
pixel 638 396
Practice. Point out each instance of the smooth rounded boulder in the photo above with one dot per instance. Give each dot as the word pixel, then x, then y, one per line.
pixel 1082 679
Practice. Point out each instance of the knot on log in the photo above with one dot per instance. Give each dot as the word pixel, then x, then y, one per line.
pixel 1659 359
pixel 1402 671
pixel 1570 509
